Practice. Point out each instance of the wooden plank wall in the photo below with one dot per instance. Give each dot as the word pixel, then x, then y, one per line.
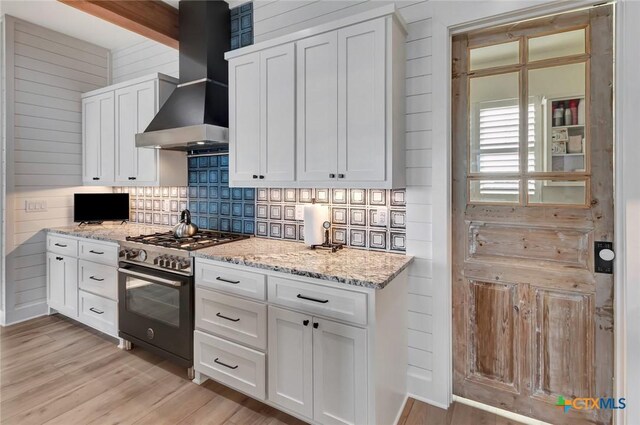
pixel 143 58
pixel 46 73
pixel 273 18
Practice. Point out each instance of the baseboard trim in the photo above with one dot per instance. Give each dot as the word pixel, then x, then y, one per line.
pixel 426 400
pixel 399 415
pixel 25 319
pixel 500 412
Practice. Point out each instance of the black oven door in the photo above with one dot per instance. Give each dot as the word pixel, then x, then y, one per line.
pixel 155 311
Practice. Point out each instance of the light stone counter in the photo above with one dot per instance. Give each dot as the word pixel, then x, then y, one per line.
pixel 350 266
pixel 108 232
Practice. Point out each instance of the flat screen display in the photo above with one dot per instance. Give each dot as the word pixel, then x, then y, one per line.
pixel 93 207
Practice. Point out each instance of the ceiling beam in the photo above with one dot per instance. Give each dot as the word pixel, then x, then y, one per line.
pixel 153 19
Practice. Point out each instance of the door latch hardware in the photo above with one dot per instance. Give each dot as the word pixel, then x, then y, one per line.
pixel 604 256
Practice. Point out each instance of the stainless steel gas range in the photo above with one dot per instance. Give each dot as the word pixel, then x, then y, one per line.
pixel 156 291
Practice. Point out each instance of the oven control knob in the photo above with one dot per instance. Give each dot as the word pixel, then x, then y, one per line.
pixel 183 264
pixel 142 255
pixel 122 253
pixel 156 261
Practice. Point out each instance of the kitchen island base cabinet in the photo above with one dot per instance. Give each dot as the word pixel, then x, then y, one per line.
pixel 319 364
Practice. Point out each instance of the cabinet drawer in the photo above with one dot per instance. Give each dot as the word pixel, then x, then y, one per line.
pixel 99 313
pixel 62 245
pixel 98 279
pixel 231 317
pixel 330 302
pixel 234 281
pixel 98 252
pixel 234 365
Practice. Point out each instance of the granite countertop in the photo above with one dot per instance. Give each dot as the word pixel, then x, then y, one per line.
pixel 357 267
pixel 108 232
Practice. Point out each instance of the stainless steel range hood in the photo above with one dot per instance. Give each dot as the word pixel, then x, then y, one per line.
pixel 196 115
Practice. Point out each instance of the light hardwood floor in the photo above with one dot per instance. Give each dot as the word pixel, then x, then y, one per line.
pixel 56 371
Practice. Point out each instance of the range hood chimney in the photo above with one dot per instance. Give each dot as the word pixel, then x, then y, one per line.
pixel 196 115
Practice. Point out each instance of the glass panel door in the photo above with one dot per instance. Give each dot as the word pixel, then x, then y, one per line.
pixel 153 300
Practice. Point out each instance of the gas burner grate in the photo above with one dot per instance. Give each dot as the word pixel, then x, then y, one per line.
pixel 202 239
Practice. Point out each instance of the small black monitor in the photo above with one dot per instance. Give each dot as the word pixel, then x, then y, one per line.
pixel 99 207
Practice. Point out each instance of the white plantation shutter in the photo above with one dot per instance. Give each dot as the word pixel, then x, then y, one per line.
pixel 497 132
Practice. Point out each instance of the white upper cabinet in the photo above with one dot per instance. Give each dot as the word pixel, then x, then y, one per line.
pixel 244 119
pixel 98 139
pixel 111 117
pixel 317 92
pixel 361 102
pixel 262 117
pixel 348 87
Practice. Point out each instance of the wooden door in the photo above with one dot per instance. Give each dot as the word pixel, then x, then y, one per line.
pixel 339 373
pixel 62 284
pixel 244 119
pixel 317 105
pixel 277 114
pixel 98 121
pixel 290 360
pixel 532 193
pixel 135 108
pixel 361 102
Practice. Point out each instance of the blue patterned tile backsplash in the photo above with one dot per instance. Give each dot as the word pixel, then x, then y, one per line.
pixel 213 204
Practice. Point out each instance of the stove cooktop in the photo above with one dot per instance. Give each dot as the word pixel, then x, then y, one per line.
pixel 202 239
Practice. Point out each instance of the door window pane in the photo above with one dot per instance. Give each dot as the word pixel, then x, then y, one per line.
pixel 494 126
pixel 494 56
pixel 557 45
pixel 557 136
pixel 552 191
pixel 494 191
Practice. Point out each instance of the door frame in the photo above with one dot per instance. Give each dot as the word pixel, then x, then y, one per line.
pixel 446 22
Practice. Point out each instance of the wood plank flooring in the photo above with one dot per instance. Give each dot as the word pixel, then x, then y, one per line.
pixel 57 371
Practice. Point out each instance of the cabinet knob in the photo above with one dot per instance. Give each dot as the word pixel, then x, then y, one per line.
pixel 315 325
pixel 96 178
pixel 332 176
pixel 132 178
pixel 340 176
pixel 59 258
pixel 255 176
pixel 261 177
pixel 305 322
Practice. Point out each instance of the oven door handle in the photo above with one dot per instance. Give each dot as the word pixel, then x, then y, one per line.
pixel 151 278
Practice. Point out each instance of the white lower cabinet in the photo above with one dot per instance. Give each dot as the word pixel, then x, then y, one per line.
pixel 320 357
pixel 339 373
pixel 62 283
pixel 82 281
pixel 291 360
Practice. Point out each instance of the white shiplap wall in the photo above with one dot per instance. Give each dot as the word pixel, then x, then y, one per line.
pixel 273 18
pixel 279 17
pixel 46 72
pixel 142 59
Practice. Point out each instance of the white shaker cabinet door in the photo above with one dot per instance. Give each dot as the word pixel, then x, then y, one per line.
pixel 244 119
pixel 361 102
pixel 62 284
pixel 98 139
pixel 290 360
pixel 135 108
pixel 317 108
pixel 277 114
pixel 339 373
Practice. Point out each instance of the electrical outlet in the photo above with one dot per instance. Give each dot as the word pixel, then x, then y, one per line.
pixel 382 216
pixel 35 206
pixel 299 212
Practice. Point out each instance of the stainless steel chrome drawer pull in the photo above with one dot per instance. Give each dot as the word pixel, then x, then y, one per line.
pixel 96 278
pixel 222 279
pixel 60 245
pixel 228 318
pixel 224 364
pixel 151 278
pixel 95 310
pixel 302 297
pixel 96 252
